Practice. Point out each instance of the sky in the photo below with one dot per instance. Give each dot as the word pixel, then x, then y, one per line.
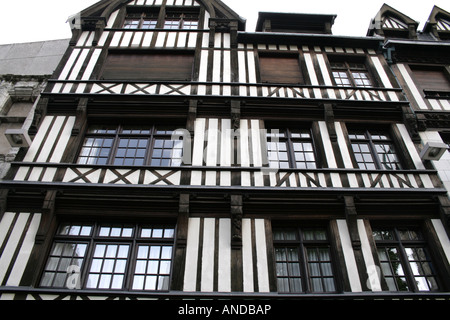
pixel 41 20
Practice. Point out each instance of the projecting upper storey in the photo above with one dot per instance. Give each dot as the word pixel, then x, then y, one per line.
pixel 197 54
pixel 200 48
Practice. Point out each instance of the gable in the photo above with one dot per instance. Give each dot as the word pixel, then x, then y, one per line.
pixel 102 10
pixel 160 2
pixel 443 25
pixel 392 23
pixel 438 23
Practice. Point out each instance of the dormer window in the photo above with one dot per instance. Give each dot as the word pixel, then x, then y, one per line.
pixel 181 21
pixel 391 23
pixel 172 20
pixel 141 21
pixel 443 28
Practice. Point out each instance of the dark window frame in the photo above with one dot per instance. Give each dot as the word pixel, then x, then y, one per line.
pixel 387 260
pixel 116 136
pixel 350 69
pixel 301 245
pixel 368 140
pixel 290 141
pixel 134 241
pixel 365 65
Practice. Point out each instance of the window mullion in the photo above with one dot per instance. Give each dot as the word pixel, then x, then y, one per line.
pixel 115 145
pixel 290 149
pixel 305 277
pixel 131 263
pixel 373 150
pixel 151 144
pixel 88 259
pixel 405 263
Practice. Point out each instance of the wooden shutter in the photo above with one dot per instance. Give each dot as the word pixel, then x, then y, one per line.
pixel 149 66
pixel 434 79
pixel 280 69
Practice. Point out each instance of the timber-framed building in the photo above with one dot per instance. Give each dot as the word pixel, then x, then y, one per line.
pixel 176 155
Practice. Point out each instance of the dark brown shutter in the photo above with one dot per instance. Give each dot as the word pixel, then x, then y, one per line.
pixel 433 79
pixel 149 66
pixel 280 70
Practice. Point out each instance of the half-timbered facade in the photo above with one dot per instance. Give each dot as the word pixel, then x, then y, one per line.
pixel 178 155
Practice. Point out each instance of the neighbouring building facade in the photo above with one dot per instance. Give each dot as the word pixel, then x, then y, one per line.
pixel 24 70
pixel 177 155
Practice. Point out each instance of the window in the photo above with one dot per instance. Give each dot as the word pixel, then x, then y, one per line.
pixel 303 260
pixel 141 21
pixel 131 146
pixel 181 21
pixel 280 69
pixel 291 148
pixel 406 264
pixel 374 149
pixel 351 74
pixel 110 256
pixel 149 65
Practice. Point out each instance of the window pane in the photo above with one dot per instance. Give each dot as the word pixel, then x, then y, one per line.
pixel 295 285
pixel 320 270
pixel 361 79
pixel 112 271
pixel 62 257
pixel 172 24
pixel 392 269
pixel 131 24
pixel 163 283
pixel 283 284
pixel 288 270
pixel 166 152
pixel 149 24
pixel 316 285
pixel 314 234
pixel 95 151
pixel 190 24
pixel 383 234
pixel 285 234
pixel 151 262
pixel 131 152
pixel 363 155
pixel 387 156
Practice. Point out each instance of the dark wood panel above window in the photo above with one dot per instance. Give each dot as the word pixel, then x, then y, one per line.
pixel 431 78
pixel 173 66
pixel 280 69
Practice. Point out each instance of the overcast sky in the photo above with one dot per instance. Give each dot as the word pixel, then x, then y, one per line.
pixel 39 20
